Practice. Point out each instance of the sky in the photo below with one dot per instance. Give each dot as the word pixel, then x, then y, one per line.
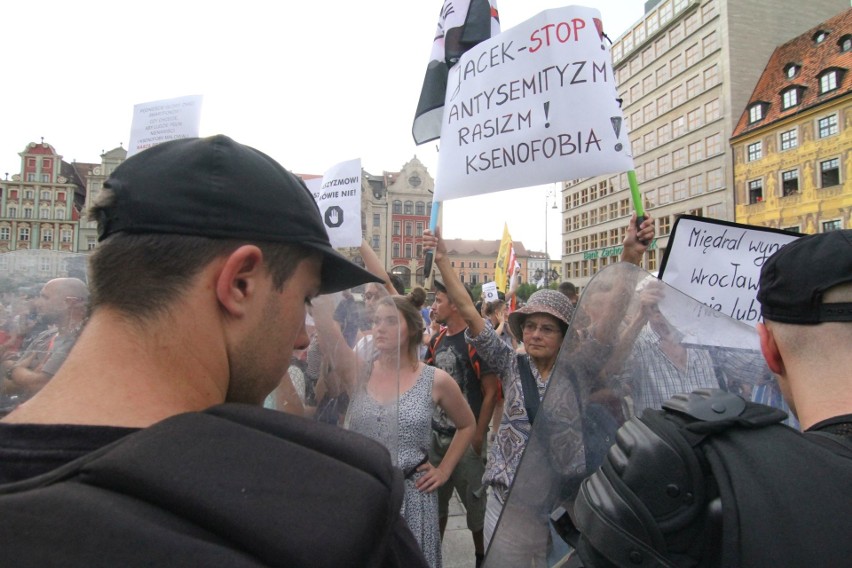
pixel 309 83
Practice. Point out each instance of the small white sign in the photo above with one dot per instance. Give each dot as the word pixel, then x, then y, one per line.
pixel 338 195
pixel 489 289
pixel 160 121
pixel 718 263
pixel 533 105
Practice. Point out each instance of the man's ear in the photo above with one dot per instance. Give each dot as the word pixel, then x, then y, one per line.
pixel 770 349
pixel 238 279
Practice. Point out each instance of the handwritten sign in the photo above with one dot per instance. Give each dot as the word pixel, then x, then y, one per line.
pixel 338 195
pixel 160 121
pixel 718 263
pixel 533 105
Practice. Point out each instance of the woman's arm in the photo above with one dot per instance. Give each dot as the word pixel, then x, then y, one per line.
pixel 447 394
pixel 374 265
pixel 455 289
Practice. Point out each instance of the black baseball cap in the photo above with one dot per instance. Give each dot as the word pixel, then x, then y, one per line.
pixel 217 188
pixel 794 279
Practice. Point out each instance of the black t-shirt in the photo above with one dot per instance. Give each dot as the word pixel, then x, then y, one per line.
pixel 27 450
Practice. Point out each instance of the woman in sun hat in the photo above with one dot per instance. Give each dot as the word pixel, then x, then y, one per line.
pixel 541 325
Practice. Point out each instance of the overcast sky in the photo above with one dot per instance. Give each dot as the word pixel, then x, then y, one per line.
pixel 309 83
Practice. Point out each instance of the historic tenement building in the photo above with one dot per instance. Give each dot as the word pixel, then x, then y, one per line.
pixel 793 143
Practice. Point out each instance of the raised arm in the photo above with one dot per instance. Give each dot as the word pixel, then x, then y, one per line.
pixel 455 289
pixel 374 265
pixel 633 243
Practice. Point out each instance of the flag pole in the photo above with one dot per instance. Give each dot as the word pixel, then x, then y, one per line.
pixel 637 201
pixel 427 260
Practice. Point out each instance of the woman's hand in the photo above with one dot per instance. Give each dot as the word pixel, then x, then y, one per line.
pixel 432 479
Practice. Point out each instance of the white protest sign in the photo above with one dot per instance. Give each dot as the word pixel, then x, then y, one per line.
pixel 532 105
pixel 160 121
pixel 489 290
pixel 338 195
pixel 718 263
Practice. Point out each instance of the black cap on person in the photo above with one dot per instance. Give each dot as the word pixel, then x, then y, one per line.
pixel 795 278
pixel 217 188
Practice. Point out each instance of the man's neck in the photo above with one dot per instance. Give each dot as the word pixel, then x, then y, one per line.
pixel 456 324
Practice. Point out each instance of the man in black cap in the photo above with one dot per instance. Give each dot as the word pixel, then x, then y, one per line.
pixel 209 254
pixel 713 480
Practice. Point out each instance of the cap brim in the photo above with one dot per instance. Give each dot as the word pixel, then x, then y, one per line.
pixel 339 273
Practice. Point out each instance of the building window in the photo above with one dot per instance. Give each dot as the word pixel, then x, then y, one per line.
pixel 711 76
pixel 755 191
pixel 664 164
pixel 91 243
pixel 696 152
pixel 31 176
pixel 694 119
pixel 831 226
pixel 789 182
pixel 60 214
pixel 715 179
pixel 789 98
pixel 419 230
pixel 396 250
pixel 377 220
pixel 429 209
pixel 409 229
pixel 47 236
pixel 827 126
pixel 65 236
pixel 828 82
pixel 791 70
pixel 829 172
pixel 407 250
pixel 691 55
pixel 755 151
pixel 755 112
pixel 678 126
pixel 649 112
pixel 45 178
pixel 665 225
pixel 375 242
pixel 820 36
pixel 696 185
pixel 419 208
pixel 693 87
pixel 23 234
pixel 713 144
pixel 397 207
pixel 678 95
pixel 5 233
pixel 396 228
pixel 45 195
pixel 29 194
pixel 664 134
pixel 409 208
pixel 845 43
pixel 676 64
pixel 789 139
pixel 44 213
pixel 13 212
pixel 28 212
pixel 419 249
pixel 679 189
pixel 679 158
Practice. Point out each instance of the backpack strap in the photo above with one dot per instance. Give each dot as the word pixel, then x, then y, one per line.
pixel 433 344
pixel 529 387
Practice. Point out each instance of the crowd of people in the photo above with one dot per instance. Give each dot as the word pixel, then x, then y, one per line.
pixel 381 404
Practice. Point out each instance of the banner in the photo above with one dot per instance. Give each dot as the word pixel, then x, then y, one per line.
pixel 718 263
pixel 503 268
pixel 160 121
pixel 461 25
pixel 533 105
pixel 338 195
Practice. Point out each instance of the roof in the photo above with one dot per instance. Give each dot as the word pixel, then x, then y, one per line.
pixel 813 59
pixel 464 247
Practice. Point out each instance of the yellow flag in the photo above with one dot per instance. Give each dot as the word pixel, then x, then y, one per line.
pixel 502 270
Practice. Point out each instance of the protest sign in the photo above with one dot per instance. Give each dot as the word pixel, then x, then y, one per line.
pixel 489 291
pixel 338 195
pixel 532 105
pixel 718 263
pixel 160 121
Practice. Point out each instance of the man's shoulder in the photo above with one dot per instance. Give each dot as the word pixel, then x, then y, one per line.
pixel 252 480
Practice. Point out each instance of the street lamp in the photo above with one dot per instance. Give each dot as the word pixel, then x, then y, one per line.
pixel 550 193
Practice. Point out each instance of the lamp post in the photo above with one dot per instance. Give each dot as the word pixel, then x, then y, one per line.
pixel 547 206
